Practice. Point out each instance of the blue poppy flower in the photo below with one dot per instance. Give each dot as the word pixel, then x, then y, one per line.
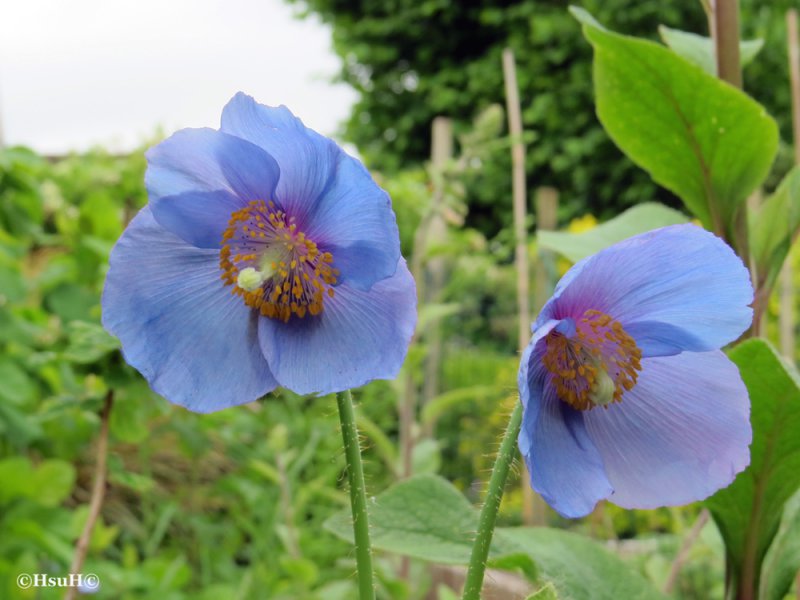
pixel 626 394
pixel 266 257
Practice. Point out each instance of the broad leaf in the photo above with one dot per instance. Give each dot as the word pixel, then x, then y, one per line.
pixel 699 137
pixel 640 218
pixel 578 567
pixel 783 558
pixel 748 512
pixel 699 49
pixel 773 228
pixel 426 517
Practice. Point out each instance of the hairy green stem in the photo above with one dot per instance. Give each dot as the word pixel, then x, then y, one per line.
pixel 483 539
pixel 358 495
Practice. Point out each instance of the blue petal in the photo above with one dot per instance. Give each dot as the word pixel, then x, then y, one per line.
pixel 679 435
pixel 531 374
pixel 333 197
pixel 199 218
pixel 682 277
pixel 358 337
pixel 565 467
pixel 194 342
pixel 307 160
pixel 355 222
pixel 197 177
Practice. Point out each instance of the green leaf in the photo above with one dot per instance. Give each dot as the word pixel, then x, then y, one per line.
pixel 638 219
pixel 88 342
pixel 774 227
pixel 12 284
pixel 53 481
pixel 548 592
pixel 748 512
pixel 699 137
pixel 102 534
pixel 71 302
pixel 426 457
pixel 17 426
pixel 445 593
pixel 17 388
pixel 699 49
pixel 102 214
pixel 426 517
pixel 578 567
pixel 129 422
pixel 15 478
pixel 783 558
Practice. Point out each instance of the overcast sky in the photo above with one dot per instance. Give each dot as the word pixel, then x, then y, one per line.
pixel 74 73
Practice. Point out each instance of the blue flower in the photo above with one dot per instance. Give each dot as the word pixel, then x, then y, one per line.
pixel 266 257
pixel 626 394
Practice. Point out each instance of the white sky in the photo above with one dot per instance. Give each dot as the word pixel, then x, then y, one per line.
pixel 74 73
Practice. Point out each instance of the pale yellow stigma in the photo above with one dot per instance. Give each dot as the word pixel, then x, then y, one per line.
pixel 602 389
pixel 250 279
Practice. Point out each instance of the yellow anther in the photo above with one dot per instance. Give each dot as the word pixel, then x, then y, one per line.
pixel 597 370
pixel 272 266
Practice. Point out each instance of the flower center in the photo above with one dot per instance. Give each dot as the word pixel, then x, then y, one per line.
pixel 596 365
pixel 272 266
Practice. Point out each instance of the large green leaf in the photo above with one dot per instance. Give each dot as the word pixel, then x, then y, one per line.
pixel 635 220
pixel 699 137
pixel 748 512
pixel 783 558
pixel 578 567
pixel 700 49
pixel 773 228
pixel 426 517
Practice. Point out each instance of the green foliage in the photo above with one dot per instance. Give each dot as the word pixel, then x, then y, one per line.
pixel 783 558
pixel 636 220
pixel 196 506
pixel 546 592
pixel 699 49
pixel 578 567
pixel 410 61
pixel 697 136
pixel 427 518
pixel 773 228
pixel 748 512
pixel 424 517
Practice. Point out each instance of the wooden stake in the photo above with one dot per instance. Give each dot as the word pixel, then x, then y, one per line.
pixel 98 495
pixel 794 76
pixel 532 506
pixel 786 321
pixel 725 31
pixel 441 154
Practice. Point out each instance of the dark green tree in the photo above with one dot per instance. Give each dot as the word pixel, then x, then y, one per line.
pixel 411 60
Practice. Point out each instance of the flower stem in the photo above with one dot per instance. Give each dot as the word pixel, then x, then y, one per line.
pixel 483 540
pixel 358 495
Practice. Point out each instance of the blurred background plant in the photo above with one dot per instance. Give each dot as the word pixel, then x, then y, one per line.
pixel 233 504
